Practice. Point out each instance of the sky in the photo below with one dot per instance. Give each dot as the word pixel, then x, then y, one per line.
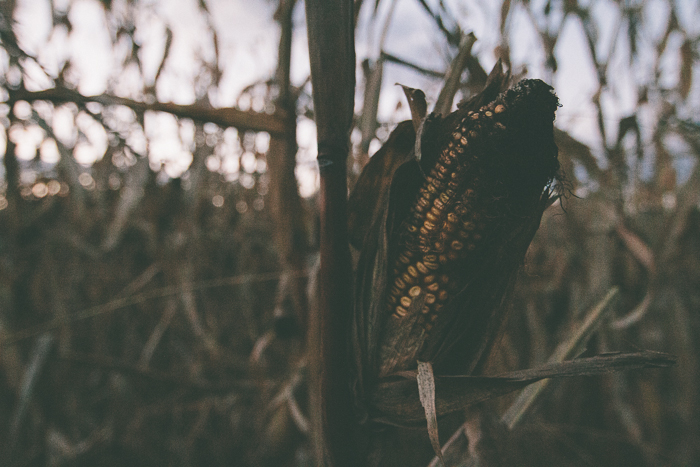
pixel 247 39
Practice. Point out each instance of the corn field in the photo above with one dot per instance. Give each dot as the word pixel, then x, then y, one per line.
pixel 165 229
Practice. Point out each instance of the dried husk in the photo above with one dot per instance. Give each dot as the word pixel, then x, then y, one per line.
pixel 511 165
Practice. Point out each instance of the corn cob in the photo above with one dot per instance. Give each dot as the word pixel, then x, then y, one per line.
pixel 445 224
pixel 469 197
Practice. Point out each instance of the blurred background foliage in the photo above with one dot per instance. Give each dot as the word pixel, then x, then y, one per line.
pixel 158 221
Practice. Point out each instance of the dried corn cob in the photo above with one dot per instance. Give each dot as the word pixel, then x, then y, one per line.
pixel 487 174
pixel 444 226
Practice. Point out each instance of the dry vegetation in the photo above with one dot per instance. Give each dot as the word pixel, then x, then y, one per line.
pixel 151 320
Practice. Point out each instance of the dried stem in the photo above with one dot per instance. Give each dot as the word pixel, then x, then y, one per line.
pixel 332 55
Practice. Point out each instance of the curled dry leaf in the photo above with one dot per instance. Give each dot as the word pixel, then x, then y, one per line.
pixel 426 393
pixel 419 117
pixel 417 104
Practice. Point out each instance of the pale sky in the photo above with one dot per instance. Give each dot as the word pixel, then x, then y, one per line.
pixel 248 38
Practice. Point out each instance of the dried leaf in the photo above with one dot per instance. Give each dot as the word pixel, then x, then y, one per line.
pixel 687 59
pixel 479 426
pixel 505 10
pixel 370 194
pixel 373 84
pixel 567 349
pixel 426 393
pixel 37 360
pixel 419 110
pixel 454 74
pixel 626 125
pixel 488 439
pixel 635 315
pixel 129 198
pixel 389 175
pixel 417 104
pixel 166 54
pixel 639 249
pixel 397 401
pixel 571 150
pixel 495 83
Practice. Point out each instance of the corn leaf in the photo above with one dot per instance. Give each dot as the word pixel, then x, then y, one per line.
pixel 397 399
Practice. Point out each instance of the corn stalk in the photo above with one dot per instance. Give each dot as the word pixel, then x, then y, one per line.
pixel 332 55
